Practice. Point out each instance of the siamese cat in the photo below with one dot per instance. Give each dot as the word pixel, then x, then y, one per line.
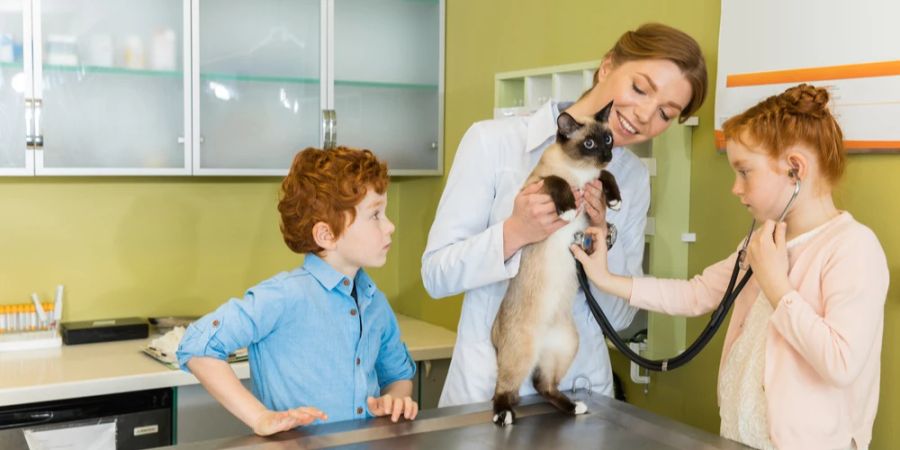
pixel 534 331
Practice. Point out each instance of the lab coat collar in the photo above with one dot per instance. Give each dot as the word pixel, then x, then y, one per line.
pixel 330 278
pixel 542 124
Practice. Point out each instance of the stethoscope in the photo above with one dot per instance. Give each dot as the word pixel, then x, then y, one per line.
pixel 715 321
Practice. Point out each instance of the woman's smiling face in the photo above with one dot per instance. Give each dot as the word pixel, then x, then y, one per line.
pixel 648 95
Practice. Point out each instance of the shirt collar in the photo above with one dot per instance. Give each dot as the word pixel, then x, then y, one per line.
pixel 364 284
pixel 330 278
pixel 542 124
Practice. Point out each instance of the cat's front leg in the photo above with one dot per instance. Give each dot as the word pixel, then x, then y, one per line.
pixel 611 191
pixel 563 198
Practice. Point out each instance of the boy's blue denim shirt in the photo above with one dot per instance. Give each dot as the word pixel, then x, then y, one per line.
pixel 302 333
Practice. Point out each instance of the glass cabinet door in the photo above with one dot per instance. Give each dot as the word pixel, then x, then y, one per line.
pixel 387 80
pixel 112 86
pixel 258 87
pixel 14 86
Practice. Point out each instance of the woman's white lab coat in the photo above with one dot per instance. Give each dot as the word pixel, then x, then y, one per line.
pixel 465 250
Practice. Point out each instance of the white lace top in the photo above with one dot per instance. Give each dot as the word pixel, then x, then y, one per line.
pixel 742 397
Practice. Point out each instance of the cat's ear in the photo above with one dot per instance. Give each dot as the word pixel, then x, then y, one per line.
pixel 567 124
pixel 603 114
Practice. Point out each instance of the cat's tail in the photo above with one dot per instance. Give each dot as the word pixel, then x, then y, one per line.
pixel 563 403
pixel 547 388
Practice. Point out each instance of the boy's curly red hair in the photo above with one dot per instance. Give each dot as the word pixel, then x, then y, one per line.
pixel 325 186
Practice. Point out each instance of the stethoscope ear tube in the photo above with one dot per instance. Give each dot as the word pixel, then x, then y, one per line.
pixel 662 365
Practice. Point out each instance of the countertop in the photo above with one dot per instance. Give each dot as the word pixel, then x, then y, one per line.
pixel 608 423
pixel 85 370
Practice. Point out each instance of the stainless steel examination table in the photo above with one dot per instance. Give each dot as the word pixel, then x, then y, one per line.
pixel 609 424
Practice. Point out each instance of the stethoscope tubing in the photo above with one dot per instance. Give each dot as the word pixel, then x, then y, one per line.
pixel 715 320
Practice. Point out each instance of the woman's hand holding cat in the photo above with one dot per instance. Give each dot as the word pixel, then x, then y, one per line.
pixel 533 218
pixel 596 267
pixel 595 203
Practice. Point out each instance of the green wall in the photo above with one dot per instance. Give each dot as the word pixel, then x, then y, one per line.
pixel 145 247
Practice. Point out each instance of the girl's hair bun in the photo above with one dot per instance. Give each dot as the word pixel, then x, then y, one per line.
pixel 805 99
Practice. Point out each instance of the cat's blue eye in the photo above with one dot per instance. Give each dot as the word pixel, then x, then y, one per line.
pixel 607 139
pixel 589 144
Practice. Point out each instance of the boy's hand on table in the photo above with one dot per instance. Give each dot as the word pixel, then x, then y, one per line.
pixel 393 406
pixel 271 422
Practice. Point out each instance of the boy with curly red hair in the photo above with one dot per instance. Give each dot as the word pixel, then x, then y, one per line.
pixel 322 339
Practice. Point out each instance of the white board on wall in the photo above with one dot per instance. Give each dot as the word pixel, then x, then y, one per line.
pixel 852 48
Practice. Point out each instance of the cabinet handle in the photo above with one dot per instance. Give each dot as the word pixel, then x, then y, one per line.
pixel 325 129
pixel 329 133
pixel 29 123
pixel 333 128
pixel 16 420
pixel 38 136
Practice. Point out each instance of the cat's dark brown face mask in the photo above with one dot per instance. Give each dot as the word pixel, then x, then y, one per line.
pixel 591 141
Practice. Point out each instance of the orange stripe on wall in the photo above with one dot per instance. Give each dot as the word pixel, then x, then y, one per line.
pixel 852 146
pixel 866 70
pixel 880 145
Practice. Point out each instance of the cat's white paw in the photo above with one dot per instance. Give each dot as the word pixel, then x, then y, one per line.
pixel 504 418
pixel 580 408
pixel 568 215
pixel 615 205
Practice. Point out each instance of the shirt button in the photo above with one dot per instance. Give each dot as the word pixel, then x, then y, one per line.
pixel 352 312
pixel 359 410
pixel 358 361
pixel 346 282
pixel 216 322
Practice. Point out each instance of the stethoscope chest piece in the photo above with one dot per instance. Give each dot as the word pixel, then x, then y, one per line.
pixel 586 241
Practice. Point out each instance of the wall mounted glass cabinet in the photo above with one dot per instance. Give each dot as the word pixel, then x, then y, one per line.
pixel 217 87
pixel 94 87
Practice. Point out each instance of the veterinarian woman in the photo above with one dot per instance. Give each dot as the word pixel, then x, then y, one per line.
pixel 654 75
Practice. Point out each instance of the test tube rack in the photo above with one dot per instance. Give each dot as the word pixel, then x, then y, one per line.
pixel 22 329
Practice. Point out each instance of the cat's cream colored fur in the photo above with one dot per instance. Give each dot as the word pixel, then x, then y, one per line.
pixel 534 328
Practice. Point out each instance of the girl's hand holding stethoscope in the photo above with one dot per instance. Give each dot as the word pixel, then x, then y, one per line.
pixel 595 264
pixel 767 255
